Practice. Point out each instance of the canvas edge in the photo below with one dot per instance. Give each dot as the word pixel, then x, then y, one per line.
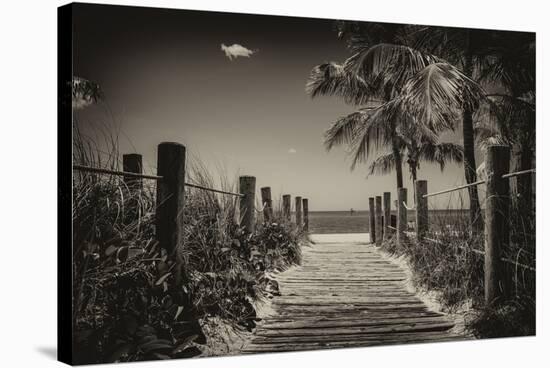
pixel 64 187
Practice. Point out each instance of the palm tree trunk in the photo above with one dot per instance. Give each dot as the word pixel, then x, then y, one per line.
pixel 476 219
pixel 398 163
pixel 413 176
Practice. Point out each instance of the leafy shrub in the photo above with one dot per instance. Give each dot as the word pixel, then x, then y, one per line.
pixel 127 303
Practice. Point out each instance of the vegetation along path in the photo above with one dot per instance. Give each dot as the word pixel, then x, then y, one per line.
pixel 345 294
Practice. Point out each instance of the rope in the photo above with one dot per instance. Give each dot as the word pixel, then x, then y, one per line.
pixel 144 176
pixel 113 172
pixel 453 189
pixel 213 190
pixel 509 175
pixel 409 208
pixel 480 252
pixel 518 173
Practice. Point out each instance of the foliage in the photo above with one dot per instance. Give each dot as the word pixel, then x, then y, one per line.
pixel 409 97
pixel 514 317
pixel 127 303
pixel 450 261
pixel 84 92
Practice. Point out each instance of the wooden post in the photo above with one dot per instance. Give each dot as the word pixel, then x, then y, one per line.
pixel 401 216
pixel 132 162
pixel 497 225
pixel 267 203
pixel 247 187
pixel 170 195
pixel 421 189
pixel 372 221
pixel 387 215
pixel 378 216
pixel 286 206
pixel 305 207
pixel 298 204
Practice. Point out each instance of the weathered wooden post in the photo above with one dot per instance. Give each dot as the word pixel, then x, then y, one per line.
pixel 170 195
pixel 421 189
pixel 298 209
pixel 372 221
pixel 497 226
pixel 247 189
pixel 267 203
pixel 401 216
pixel 286 206
pixel 132 163
pixel 378 215
pixel 387 215
pixel 305 207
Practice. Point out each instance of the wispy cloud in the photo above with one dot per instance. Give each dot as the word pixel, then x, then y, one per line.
pixel 292 151
pixel 236 50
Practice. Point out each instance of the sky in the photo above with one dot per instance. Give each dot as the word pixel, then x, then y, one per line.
pixel 231 88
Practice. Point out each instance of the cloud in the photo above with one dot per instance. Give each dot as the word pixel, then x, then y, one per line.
pixel 236 50
pixel 291 151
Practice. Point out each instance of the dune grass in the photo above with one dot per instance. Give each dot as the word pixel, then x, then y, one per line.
pixel 450 261
pixel 128 305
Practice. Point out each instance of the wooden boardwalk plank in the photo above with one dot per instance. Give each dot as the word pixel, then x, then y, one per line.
pixel 346 295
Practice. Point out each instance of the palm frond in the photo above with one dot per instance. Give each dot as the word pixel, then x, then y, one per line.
pixel 84 92
pixel 506 119
pixel 442 153
pixel 437 95
pixel 388 66
pixel 382 165
pixel 511 62
pixel 332 79
pixel 377 130
pixel 342 131
pixel 487 132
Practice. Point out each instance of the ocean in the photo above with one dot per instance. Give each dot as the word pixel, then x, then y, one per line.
pixel 334 222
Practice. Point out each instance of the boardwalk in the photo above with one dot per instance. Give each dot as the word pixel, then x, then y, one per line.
pixel 346 294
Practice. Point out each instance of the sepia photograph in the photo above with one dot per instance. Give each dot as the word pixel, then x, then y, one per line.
pixel 241 183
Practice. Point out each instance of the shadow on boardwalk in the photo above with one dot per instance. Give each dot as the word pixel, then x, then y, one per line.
pixel 346 293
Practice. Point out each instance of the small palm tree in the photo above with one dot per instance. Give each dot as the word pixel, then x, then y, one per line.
pixel 416 148
pixel 439 153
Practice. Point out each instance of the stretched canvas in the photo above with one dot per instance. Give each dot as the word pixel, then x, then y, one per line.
pixel 241 184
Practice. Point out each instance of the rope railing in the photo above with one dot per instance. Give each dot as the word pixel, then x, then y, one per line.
pixel 100 170
pixel 496 230
pixel 518 173
pixel 476 251
pixel 480 252
pixel 509 175
pixel 145 176
pixel 213 190
pixel 454 189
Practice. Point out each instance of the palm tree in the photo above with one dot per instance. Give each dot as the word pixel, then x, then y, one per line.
pixel 416 148
pixel 334 79
pixel 470 50
pixel 406 83
pixel 511 117
pixel 377 93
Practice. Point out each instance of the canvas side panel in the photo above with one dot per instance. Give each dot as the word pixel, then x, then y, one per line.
pixel 64 180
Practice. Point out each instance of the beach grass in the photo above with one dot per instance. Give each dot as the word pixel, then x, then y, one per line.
pixel 128 303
